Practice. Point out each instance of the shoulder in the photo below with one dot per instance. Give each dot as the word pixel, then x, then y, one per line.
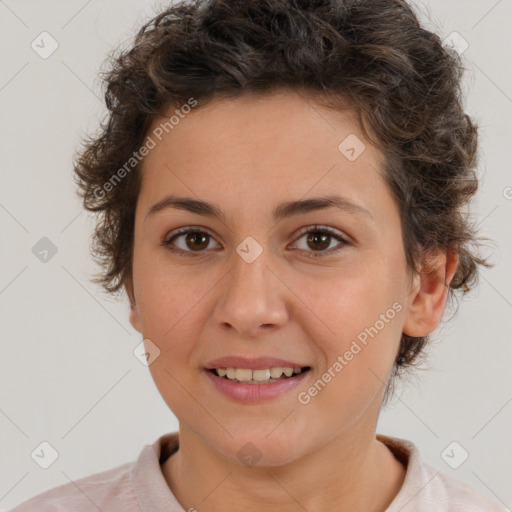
pixel 104 491
pixel 461 497
pixel 132 487
pixel 426 488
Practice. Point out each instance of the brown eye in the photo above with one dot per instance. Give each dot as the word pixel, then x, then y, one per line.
pixel 319 239
pixel 197 240
pixel 191 242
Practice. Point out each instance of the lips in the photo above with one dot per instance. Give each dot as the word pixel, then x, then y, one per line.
pixel 253 393
pixel 230 376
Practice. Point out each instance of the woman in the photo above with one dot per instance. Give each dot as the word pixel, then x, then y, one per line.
pixel 280 188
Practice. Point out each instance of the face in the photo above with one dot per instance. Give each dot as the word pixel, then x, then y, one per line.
pixel 320 287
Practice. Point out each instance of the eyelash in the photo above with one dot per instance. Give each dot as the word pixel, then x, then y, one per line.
pixel 167 243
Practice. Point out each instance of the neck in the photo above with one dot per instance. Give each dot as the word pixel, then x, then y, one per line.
pixel 354 471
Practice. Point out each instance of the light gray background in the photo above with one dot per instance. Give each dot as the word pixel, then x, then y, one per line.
pixel 68 375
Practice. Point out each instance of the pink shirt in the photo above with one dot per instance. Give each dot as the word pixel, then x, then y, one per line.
pixel 140 486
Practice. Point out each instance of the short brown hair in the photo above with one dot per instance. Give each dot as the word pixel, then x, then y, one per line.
pixel 403 83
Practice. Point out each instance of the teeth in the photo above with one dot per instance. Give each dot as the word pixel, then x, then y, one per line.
pixel 260 375
pixel 275 373
pixel 255 376
pixel 243 374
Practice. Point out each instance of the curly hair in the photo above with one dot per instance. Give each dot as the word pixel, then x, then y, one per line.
pixel 404 85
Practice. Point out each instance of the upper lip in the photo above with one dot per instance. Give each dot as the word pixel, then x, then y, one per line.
pixel 251 364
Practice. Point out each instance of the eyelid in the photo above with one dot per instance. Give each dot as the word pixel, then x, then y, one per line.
pixel 183 231
pixel 326 229
pixel 332 232
pixel 343 239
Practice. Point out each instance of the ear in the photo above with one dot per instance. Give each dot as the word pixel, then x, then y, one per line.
pixel 134 314
pixel 429 292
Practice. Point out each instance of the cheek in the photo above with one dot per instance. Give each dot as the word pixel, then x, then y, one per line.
pixel 167 302
pixel 343 306
pixel 169 309
pixel 355 320
pixel 357 365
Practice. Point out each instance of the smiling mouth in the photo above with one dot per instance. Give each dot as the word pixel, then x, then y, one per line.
pixel 260 376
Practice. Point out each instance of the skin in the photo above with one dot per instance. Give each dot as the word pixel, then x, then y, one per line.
pixel 248 155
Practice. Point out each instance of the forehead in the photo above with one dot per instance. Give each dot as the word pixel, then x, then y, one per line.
pixel 280 146
pixel 285 120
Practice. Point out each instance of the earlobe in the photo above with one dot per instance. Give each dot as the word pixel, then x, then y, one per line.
pixel 134 318
pixel 430 292
pixel 134 314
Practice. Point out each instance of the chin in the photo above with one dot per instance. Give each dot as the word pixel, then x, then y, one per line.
pixel 258 448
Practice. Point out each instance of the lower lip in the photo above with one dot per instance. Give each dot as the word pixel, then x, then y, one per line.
pixel 250 393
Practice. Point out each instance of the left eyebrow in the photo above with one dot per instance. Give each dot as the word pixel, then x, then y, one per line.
pixel 319 203
pixel 284 210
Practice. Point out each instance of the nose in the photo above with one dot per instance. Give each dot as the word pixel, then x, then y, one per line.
pixel 252 298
